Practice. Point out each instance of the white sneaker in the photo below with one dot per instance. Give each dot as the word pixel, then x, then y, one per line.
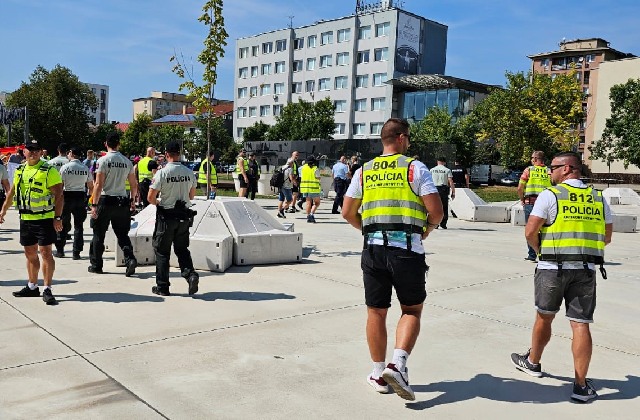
pixel 399 381
pixel 380 385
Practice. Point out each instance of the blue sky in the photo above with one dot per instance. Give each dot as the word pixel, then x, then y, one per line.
pixel 126 44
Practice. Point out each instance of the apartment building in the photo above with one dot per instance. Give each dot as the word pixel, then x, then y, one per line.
pixel 348 59
pixel 161 104
pixel 100 114
pixel 585 56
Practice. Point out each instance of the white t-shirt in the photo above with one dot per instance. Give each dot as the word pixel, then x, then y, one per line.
pixel 546 207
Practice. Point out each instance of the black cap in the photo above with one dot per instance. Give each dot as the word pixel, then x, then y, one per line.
pixel 311 159
pixel 173 147
pixel 33 145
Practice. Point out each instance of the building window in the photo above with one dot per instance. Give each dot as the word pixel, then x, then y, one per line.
pixel 240 131
pixel 378 104
pixel 362 57
pixel 254 51
pixel 360 105
pixel 590 58
pixel 326 38
pixel 242 92
pixel 280 67
pixel 324 83
pixel 359 129
pixel 382 29
pixel 362 81
pixel 379 79
pixel 254 71
pixel 281 45
pixel 243 72
pixel 242 112
pixel 253 91
pixel 278 88
pixel 340 105
pixel 296 87
pixel 342 59
pixel 344 35
pixel 243 52
pixel 277 110
pixel 342 82
pixel 298 43
pixel 267 47
pixel 585 91
pixel 310 85
pixel 364 32
pixel 381 54
pixel 311 63
pixel 340 129
pixel 311 41
pixel 265 90
pixel 325 61
pixel 545 63
pixel 376 128
pixel 297 65
pixel 266 68
pixel 265 110
pixel 587 75
pixel 253 111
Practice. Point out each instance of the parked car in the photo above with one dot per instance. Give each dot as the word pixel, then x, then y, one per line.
pixel 510 178
pixel 486 174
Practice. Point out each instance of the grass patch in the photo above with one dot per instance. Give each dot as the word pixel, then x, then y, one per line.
pixel 497 193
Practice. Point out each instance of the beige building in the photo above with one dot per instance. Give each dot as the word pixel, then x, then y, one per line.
pixel 160 104
pixel 585 55
pixel 609 74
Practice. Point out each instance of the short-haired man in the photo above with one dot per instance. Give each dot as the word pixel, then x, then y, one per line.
pixel 253 175
pixel 443 179
pixel 60 160
pixel 569 226
pixel 295 185
pixel 400 207
pixel 340 172
pixel 242 166
pixel 533 181
pixel 38 191
pixel 145 174
pixel 207 176
pixel 460 175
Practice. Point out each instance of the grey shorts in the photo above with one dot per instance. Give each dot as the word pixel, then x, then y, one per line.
pixel 576 287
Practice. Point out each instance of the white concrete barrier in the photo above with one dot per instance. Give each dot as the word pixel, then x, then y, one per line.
pixel 468 206
pixel 624 196
pixel 626 223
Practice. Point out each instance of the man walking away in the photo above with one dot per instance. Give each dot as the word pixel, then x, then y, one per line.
pixel 340 173
pixel 310 187
pixel 569 226
pixel 460 175
pixel 285 195
pixel 533 181
pixel 400 207
pixel 242 166
pixel 145 174
pixel 253 175
pixel 443 179
pixel 60 160
pixel 208 182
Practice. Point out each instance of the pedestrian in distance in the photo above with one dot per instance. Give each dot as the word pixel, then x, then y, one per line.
pixel 5 186
pixel 253 175
pixel 400 208
pixel 310 187
pixel 568 228
pixel 111 205
pixel 242 166
pixel 76 180
pixel 37 188
pixel 443 179
pixel 285 194
pixel 460 175
pixel 295 186
pixel 340 172
pixel 533 181
pixel 208 177
pixel 145 174
pixel 176 184
pixel 60 160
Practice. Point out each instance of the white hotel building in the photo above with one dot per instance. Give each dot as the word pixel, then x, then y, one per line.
pixel 348 59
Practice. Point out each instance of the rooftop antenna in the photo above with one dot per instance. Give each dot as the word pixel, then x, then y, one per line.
pixel 291 21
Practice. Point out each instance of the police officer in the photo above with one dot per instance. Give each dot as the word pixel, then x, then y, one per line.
pixel 400 207
pixel 533 181
pixel 443 179
pixel 75 177
pixel 111 205
pixel 60 160
pixel 310 187
pixel 242 167
pixel 37 188
pixel 253 175
pixel 208 183
pixel 145 175
pixel 569 226
pixel 176 185
pixel 460 175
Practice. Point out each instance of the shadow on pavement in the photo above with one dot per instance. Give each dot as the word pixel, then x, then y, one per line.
pixel 109 297
pixel 20 283
pixel 246 296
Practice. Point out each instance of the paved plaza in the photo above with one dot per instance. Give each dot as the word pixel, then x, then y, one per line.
pixel 288 341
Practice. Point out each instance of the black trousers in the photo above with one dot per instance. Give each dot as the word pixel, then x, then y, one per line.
pixel 252 187
pixel 143 188
pixel 170 231
pixel 75 204
pixel 443 191
pixel 340 186
pixel 120 219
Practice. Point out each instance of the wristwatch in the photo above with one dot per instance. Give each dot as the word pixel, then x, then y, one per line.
pixel 58 218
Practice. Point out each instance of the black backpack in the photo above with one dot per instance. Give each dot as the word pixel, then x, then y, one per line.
pixel 277 179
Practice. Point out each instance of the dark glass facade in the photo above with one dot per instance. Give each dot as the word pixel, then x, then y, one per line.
pixel 459 102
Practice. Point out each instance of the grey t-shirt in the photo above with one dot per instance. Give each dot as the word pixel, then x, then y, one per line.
pixel 75 176
pixel 287 173
pixel 58 162
pixel 441 175
pixel 4 174
pixel 174 182
pixel 116 168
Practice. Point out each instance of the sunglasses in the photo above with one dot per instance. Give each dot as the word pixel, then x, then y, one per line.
pixel 552 168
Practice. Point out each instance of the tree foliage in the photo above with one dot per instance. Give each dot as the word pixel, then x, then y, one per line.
pixel 533 112
pixel 221 141
pixel 304 120
pixel 137 137
pixel 256 132
pixel 99 135
pixel 621 136
pixel 57 103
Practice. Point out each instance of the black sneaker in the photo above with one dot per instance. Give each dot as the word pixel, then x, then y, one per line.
pixel 58 254
pixel 26 292
pixel 532 259
pixel 521 362
pixel 95 270
pixel 281 215
pixel 584 394
pixel 300 205
pixel 193 281
pixel 162 292
pixel 48 298
pixel 76 255
pixel 311 219
pixel 131 267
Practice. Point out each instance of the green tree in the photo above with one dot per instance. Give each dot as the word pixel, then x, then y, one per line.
pixel 533 112
pixel 160 135
pixel 137 137
pixel 256 132
pixel 304 120
pixel 197 146
pixel 57 103
pixel 99 135
pixel 621 136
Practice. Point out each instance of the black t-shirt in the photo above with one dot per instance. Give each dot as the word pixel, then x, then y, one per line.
pixel 459 175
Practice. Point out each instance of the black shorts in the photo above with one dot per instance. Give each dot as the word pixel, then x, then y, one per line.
pixel 576 287
pixel 39 232
pixel 243 183
pixel 384 268
pixel 295 189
